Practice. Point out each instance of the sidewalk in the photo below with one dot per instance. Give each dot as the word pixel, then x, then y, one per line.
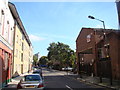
pixel 15 81
pixel 96 80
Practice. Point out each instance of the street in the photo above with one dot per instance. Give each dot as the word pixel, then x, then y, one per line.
pixel 60 80
pixel 54 79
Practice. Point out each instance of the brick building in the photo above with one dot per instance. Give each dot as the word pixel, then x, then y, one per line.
pixel 118 10
pixel 98 52
pixel 6 43
pixel 22 46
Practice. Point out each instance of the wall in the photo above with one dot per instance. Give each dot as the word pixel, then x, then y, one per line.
pixel 83 45
pixel 113 64
pixel 21 52
pixel 26 56
pixel 6 41
pixel 115 57
pixel 17 51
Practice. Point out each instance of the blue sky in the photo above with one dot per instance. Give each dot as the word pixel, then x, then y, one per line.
pixel 47 22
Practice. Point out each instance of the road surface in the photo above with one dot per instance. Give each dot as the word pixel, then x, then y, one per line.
pixel 62 80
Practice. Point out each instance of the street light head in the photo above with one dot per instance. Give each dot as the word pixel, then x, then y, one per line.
pixel 91 17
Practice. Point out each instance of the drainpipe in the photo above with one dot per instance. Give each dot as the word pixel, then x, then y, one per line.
pixel 13 46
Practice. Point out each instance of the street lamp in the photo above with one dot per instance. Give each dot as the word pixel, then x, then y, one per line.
pixel 91 17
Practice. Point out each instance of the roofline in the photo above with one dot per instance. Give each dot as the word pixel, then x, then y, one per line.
pixel 17 18
pixel 94 29
pixel 117 1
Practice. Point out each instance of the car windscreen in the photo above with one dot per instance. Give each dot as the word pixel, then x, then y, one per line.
pixel 32 78
pixel 36 72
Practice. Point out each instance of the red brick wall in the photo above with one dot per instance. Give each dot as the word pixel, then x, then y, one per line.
pixel 114 55
pixel 114 41
pixel 82 44
pixel 81 41
pixel 5 68
pixel 119 58
pixel 0 68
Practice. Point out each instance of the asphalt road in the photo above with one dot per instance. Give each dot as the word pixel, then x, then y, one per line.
pixel 55 80
pixel 60 80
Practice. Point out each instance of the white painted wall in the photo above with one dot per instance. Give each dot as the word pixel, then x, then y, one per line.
pixel 6 24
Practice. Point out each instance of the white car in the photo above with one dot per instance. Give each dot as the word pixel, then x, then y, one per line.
pixel 31 81
pixel 67 69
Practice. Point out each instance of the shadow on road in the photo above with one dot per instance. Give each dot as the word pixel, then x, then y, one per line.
pixel 10 86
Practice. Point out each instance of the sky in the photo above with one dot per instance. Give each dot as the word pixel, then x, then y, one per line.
pixel 47 22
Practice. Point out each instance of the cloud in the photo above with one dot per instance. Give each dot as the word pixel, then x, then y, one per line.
pixel 35 38
pixel 57 36
pixel 48 37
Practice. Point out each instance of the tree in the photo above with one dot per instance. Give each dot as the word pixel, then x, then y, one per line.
pixel 61 54
pixel 35 60
pixel 43 60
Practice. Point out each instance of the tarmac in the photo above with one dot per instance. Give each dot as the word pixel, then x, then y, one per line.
pixel 96 81
pixel 87 79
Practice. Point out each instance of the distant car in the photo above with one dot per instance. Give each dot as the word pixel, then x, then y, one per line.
pixel 31 81
pixel 35 67
pixel 38 71
pixel 67 69
pixel 43 65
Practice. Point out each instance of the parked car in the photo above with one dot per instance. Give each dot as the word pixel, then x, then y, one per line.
pixel 31 81
pixel 38 71
pixel 67 69
pixel 35 67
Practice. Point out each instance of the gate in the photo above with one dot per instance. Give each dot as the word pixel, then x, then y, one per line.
pixel 104 69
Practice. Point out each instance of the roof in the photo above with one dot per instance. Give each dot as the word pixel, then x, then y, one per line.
pixel 17 18
pixel 117 1
pixel 101 30
pixel 32 74
pixel 117 32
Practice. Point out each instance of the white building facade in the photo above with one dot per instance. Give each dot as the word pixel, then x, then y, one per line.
pixel 6 42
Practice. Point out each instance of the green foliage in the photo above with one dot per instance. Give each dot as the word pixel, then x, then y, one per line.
pixel 61 54
pixel 43 60
pixel 35 60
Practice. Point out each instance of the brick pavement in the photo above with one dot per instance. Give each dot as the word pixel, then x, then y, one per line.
pixel 96 80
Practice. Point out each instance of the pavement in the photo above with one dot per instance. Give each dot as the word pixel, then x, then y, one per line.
pixel 96 81
pixel 15 81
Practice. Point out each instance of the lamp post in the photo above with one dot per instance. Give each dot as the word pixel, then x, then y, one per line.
pixel 91 17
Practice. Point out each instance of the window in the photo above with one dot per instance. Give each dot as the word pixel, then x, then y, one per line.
pixel 103 53
pixel 22 57
pixel 12 35
pixel 107 48
pixel 0 29
pixel 32 78
pixel 20 42
pixel 7 31
pixel 88 38
pixel 2 12
pixel 17 39
pixel 22 37
pixel 99 53
pixel 16 52
pixel 2 19
pixel 22 46
pixel 19 54
pixel 6 56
